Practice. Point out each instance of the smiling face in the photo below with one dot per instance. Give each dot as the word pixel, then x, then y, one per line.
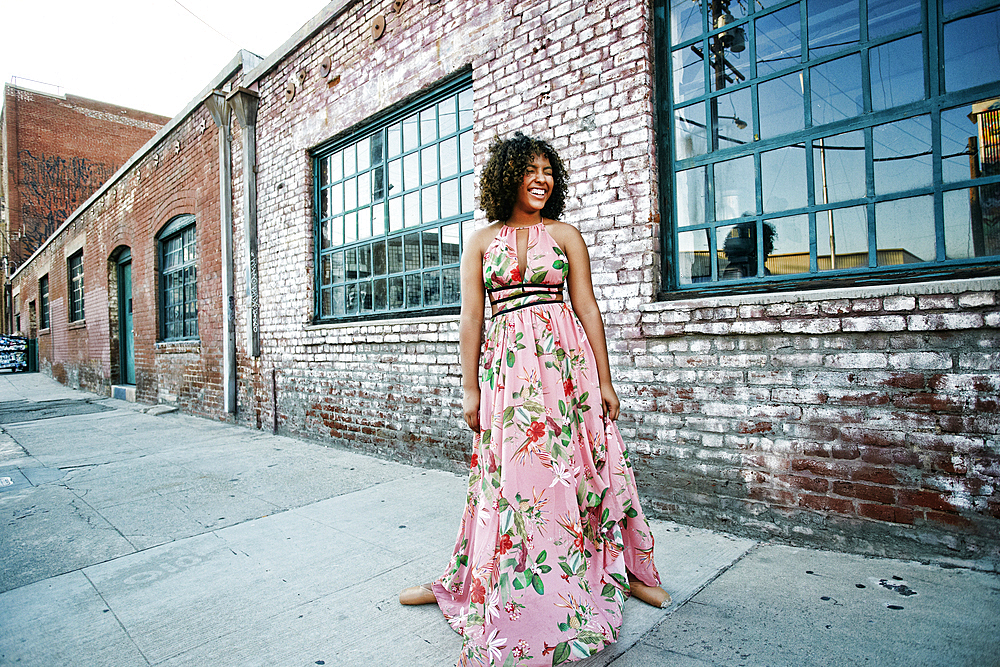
pixel 536 186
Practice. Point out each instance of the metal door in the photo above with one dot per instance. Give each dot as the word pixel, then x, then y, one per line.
pixel 125 332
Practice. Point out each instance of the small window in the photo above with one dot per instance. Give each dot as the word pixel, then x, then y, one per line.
pixel 76 286
pixel 43 299
pixel 390 203
pixel 178 245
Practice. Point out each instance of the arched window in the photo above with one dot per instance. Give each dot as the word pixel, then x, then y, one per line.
pixel 178 254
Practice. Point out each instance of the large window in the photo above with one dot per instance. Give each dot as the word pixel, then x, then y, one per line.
pixel 390 201
pixel 75 270
pixel 829 139
pixel 178 244
pixel 43 299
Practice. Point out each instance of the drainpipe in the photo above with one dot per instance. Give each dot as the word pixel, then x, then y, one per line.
pixel 216 104
pixel 243 102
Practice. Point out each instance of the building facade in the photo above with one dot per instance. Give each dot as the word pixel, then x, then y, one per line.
pixel 55 151
pixel 790 208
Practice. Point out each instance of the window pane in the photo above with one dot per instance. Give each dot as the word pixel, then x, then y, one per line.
pixel 350 164
pixel 465 108
pixel 902 155
pixel 364 154
pixel 897 72
pixel 690 197
pixel 783 178
pixel 447 116
pixel 960 143
pixel 465 149
pixel 411 171
pixel 449 198
pixel 376 151
pixel 337 199
pixel 904 231
pixel 450 252
pixel 365 296
pixel 336 232
pixel 429 203
pixel 378 220
pixel 411 209
pixel 326 303
pixel 351 304
pixel 380 300
pixel 428 125
pixel 971 56
pixel 685 20
pixel 972 222
pixel 888 16
pixel 737 254
pixel 688 74
pixel 395 293
pixel 338 300
pixel 732 116
pixel 468 194
pixel 428 165
pixel 778 41
pixel 350 228
pixel 412 252
pixel 786 245
pixel 690 136
pixel 735 194
pixel 839 167
pixel 378 184
pixel 395 214
pixel 378 258
pixel 432 254
pixel 836 90
pixel 324 204
pixel 432 288
pixel 413 291
pixel 779 103
pixel 395 177
pixel 350 194
pixel 326 270
pixel 364 262
pixel 449 157
pixel 351 264
pixel 336 166
pixel 693 260
pixel 410 140
pixel 365 189
pixel 845 232
pixel 395 247
pixel 952 6
pixel 450 283
pixel 833 25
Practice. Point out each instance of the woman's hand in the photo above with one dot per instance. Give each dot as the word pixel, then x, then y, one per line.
pixel 470 408
pixel 609 402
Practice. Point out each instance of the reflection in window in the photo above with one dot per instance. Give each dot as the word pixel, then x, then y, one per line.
pixel 972 222
pixel 839 167
pixel 735 191
pixel 833 25
pixel 694 263
pixel 897 72
pixel 691 137
pixel 959 144
pixel 902 155
pixel 688 74
pixel 904 231
pixel 783 178
pixel 780 106
pixel 842 238
pixel 732 119
pixel 836 90
pixel 739 249
pixel 886 17
pixel 685 20
pixel 971 56
pixel 414 175
pixel 691 197
pixel 778 42
pixel 790 246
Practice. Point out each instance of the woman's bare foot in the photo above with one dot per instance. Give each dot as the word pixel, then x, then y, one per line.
pixel 653 595
pixel 422 594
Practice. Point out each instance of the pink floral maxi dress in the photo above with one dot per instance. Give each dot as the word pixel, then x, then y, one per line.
pixel 552 518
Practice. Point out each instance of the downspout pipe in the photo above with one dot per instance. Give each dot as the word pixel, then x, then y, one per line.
pixel 243 102
pixel 219 108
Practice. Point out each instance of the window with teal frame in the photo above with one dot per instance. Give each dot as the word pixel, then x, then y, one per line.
pixel 390 200
pixel 837 140
pixel 178 243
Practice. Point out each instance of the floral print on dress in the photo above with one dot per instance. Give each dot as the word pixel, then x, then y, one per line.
pixel 552 517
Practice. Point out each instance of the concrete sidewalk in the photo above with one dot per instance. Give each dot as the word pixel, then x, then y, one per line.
pixel 130 538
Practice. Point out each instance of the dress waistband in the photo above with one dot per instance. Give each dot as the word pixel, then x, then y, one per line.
pixel 537 293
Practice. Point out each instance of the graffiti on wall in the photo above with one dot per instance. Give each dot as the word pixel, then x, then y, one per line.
pixel 51 188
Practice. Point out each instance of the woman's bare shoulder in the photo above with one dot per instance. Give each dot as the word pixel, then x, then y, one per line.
pixel 481 239
pixel 564 233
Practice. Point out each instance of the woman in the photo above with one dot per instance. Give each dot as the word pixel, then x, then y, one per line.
pixel 552 539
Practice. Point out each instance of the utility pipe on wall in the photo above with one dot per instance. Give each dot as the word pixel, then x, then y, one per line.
pixel 217 106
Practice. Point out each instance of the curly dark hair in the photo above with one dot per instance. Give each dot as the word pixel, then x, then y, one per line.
pixel 502 176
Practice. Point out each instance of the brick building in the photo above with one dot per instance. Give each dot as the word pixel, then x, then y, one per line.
pixel 55 151
pixel 791 212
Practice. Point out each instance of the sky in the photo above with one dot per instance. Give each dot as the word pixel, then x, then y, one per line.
pixel 150 55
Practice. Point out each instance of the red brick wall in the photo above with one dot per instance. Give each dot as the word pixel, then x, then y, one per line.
pixel 59 151
pixel 179 176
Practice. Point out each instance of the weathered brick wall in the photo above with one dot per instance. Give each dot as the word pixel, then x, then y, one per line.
pixel 59 150
pixel 861 418
pixel 179 176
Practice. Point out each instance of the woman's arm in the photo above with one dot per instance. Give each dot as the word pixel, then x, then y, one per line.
pixel 581 293
pixel 470 328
